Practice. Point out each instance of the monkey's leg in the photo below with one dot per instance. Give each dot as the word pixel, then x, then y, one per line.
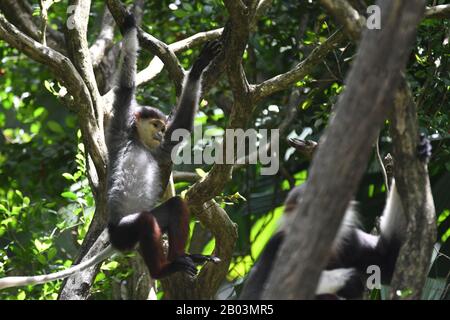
pixel 124 235
pixel 143 228
pixel 173 217
pixel 153 254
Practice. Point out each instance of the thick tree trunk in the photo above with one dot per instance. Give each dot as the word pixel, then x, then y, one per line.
pixel 412 180
pixel 344 150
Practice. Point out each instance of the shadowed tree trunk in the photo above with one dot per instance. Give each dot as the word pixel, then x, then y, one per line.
pixel 85 70
pixel 344 150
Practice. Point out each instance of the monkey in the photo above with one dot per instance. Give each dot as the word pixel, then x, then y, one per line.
pixel 352 251
pixel 139 166
pixel 139 152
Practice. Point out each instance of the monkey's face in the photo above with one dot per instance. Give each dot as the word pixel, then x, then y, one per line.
pixel 151 131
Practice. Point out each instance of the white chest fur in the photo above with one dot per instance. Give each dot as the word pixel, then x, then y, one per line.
pixel 136 183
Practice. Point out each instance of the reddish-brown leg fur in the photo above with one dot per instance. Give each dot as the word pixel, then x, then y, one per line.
pixel 145 228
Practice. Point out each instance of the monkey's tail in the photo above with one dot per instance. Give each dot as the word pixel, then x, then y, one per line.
pixel 9 282
pixel 393 228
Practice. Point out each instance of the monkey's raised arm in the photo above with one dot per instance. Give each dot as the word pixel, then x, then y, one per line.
pixel 126 79
pixel 185 112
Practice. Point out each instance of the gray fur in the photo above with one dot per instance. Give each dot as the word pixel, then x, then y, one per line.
pixel 129 56
pixel 393 220
pixel 353 250
pixel 137 175
pixel 331 281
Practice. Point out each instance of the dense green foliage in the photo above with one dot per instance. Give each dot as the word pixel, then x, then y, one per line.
pixel 45 200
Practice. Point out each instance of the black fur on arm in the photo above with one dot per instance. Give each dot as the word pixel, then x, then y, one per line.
pixel 211 50
pixel 126 77
pixel 129 23
pixel 187 107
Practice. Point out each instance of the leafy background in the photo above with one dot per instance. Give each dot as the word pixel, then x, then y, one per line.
pixel 45 200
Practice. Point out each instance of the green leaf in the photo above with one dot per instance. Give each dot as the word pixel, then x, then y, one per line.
pixel 68 176
pixel 110 266
pixel 214 132
pixel 69 195
pixel 100 276
pixel 306 104
pixel 22 295
pixel 39 111
pixel 19 193
pixel 51 253
pixel 35 127
pixel 200 172
pixel 187 6
pixel 42 246
pixel 49 87
pixel 179 13
pixel 77 175
pixel 55 127
pixel 41 259
pixel 26 201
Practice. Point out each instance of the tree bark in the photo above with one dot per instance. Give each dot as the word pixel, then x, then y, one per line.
pixel 411 177
pixel 344 150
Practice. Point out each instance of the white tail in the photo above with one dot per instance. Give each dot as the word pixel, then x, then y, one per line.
pixel 9 282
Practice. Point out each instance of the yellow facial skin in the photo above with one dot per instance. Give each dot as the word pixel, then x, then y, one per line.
pixel 151 131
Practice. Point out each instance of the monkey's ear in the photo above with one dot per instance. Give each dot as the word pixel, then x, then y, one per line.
pixel 137 115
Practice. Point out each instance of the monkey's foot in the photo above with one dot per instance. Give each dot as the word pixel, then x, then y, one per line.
pixel 200 258
pixel 184 264
pixel 424 148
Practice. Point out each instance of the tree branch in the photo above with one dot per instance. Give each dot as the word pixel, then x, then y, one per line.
pixel 413 184
pixel 64 71
pixel 285 80
pixel 104 40
pixel 157 47
pixel 77 43
pixel 410 176
pixel 348 17
pixel 438 12
pixel 344 151
pixel 20 14
pixel 234 38
pixel 77 286
pixel 156 65
pixel 180 176
pixel 167 56
pixel 205 286
pixel 78 47
pixel 67 74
